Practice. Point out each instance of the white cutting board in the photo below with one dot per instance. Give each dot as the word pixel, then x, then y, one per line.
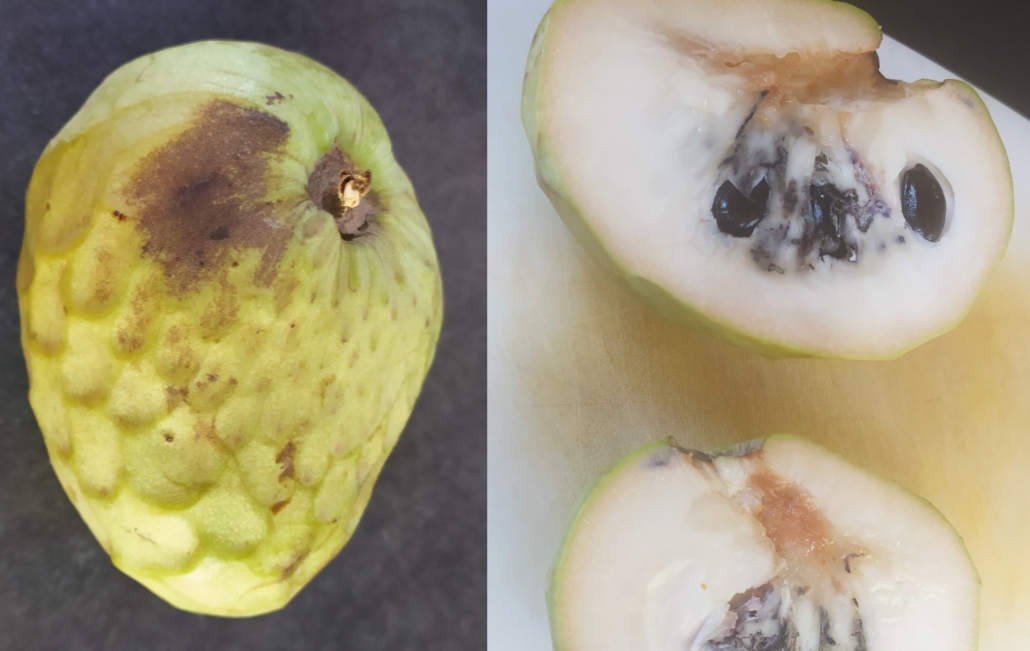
pixel 581 372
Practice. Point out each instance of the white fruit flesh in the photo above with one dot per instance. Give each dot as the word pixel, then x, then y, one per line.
pixel 785 547
pixel 634 111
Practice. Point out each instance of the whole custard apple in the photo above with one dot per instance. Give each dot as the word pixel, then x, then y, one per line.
pixel 229 301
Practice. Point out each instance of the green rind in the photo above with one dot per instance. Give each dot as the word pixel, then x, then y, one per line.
pixel 549 177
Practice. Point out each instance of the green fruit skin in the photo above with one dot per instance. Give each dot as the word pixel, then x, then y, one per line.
pixel 556 574
pixel 549 177
pixel 218 375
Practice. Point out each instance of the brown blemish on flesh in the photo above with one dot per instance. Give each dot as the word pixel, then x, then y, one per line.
pixel 120 216
pixel 203 194
pixel 278 506
pixel 790 518
pixel 800 533
pixel 274 99
pixel 343 190
pixel 285 458
pixel 807 79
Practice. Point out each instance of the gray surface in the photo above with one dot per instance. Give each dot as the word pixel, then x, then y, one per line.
pixel 413 576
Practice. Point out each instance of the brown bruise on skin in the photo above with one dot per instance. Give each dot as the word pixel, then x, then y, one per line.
pixel 103 290
pixel 181 362
pixel 134 327
pixel 175 396
pixel 202 195
pixel 343 190
pixel 282 291
pixel 292 566
pixel 285 458
pixel 221 311
pixel 204 428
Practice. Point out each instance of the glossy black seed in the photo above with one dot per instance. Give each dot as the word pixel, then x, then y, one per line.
pixel 829 208
pixel 923 203
pixel 760 195
pixel 736 214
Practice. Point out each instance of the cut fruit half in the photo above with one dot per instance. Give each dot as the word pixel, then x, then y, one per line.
pixel 779 546
pixel 744 166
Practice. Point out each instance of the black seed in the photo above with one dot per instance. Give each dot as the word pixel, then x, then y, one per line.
pixel 736 214
pixel 923 203
pixel 760 194
pixel 829 210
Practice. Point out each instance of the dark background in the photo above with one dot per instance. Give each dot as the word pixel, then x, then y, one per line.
pixel 414 574
pixel 986 42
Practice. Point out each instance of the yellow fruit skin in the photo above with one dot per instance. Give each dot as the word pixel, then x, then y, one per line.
pixel 219 376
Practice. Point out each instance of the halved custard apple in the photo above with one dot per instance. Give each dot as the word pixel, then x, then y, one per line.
pixel 777 546
pixel 744 166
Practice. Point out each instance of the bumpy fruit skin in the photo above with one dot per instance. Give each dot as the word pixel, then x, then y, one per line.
pixel 551 177
pixel 218 374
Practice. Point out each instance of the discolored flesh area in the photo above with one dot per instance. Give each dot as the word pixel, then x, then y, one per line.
pixel 808 604
pixel 777 545
pixel 811 197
